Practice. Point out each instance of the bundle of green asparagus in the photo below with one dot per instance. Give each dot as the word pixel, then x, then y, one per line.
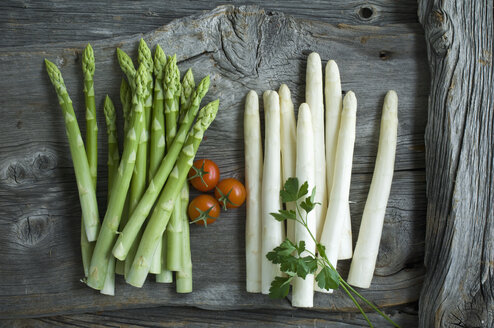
pixel 147 183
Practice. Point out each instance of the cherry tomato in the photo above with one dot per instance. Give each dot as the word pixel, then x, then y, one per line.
pixel 204 175
pixel 230 193
pixel 204 209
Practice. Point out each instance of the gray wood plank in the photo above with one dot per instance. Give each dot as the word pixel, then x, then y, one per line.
pixel 241 49
pixel 25 22
pixel 190 317
pixel 458 289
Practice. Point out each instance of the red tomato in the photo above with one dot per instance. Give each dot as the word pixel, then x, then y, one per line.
pixel 204 209
pixel 204 175
pixel 230 193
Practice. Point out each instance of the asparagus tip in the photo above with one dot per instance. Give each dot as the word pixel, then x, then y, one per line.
pixel 159 61
pixel 332 72
pixel 284 91
pixel 88 62
pixel 350 101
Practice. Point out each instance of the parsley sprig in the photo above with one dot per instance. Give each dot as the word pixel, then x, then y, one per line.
pixel 289 255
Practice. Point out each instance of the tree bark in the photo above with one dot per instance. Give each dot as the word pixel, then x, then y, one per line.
pixel 459 257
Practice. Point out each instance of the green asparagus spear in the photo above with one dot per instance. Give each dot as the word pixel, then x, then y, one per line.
pixel 172 97
pixel 174 236
pixel 157 149
pixel 88 67
pixel 162 211
pixel 184 276
pixel 87 194
pixel 172 102
pixel 87 248
pixel 174 231
pixel 126 100
pixel 139 178
pixel 111 131
pixel 106 238
pixel 188 86
pixel 138 183
pixel 145 58
pixel 127 67
pixel 109 285
pixel 113 160
pixel 165 276
pixel 128 235
pixel 157 139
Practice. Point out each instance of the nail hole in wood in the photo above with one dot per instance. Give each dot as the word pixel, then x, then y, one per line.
pixel 384 55
pixel 366 12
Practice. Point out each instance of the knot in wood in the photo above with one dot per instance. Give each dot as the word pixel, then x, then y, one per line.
pixel 240 39
pixel 32 229
pixel 366 13
pixel 440 32
pixel 44 162
pixel 36 165
pixel 15 173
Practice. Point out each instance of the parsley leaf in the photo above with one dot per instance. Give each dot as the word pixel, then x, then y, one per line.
pixel 304 189
pixel 280 253
pixel 306 265
pixel 291 264
pixel 278 216
pixel 300 247
pixel 289 214
pixel 289 191
pixel 321 249
pixel 328 278
pixel 280 287
pixel 308 204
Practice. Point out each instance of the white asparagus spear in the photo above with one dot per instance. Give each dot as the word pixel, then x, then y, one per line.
pixel 253 176
pixel 272 230
pixel 367 248
pixel 314 98
pixel 345 252
pixel 288 147
pixel 340 189
pixel 333 98
pixel 303 289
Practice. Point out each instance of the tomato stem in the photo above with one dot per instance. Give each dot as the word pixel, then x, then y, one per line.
pixel 200 173
pixel 225 199
pixel 204 216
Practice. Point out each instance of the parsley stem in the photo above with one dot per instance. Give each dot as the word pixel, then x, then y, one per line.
pixel 344 283
pixel 323 261
pixel 356 304
pixel 347 287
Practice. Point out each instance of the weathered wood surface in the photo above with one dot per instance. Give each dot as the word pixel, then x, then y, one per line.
pixel 28 22
pixel 459 288
pixel 241 49
pixel 405 316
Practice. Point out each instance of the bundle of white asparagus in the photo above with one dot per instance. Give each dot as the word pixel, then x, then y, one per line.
pixel 318 149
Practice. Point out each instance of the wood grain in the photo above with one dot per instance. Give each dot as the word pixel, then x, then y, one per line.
pixel 191 317
pixel 459 289
pixel 33 21
pixel 241 48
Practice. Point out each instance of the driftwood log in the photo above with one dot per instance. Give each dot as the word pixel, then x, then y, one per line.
pixel 459 285
pixel 242 48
